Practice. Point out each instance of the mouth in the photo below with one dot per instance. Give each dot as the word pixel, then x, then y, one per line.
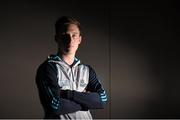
pixel 72 45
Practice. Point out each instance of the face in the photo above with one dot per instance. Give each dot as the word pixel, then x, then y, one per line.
pixel 68 42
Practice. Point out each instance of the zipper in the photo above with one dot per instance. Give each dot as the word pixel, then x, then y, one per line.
pixel 72 78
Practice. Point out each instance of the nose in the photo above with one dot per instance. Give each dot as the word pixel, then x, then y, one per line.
pixel 68 38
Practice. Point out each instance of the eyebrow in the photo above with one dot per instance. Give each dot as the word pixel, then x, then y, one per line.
pixel 73 32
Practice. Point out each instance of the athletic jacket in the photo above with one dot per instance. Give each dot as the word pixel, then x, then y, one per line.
pixel 68 92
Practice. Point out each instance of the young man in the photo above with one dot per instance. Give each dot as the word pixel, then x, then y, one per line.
pixel 67 88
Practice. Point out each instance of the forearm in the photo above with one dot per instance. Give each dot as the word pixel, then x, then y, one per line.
pixel 68 106
pixel 90 100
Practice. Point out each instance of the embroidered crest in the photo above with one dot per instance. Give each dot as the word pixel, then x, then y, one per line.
pixel 82 83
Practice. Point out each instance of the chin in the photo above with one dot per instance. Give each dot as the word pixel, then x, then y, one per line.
pixel 69 52
pixel 72 50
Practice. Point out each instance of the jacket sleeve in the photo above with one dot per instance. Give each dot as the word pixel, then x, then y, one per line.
pixel 94 99
pixel 49 91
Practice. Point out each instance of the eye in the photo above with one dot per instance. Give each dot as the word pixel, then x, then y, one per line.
pixel 75 35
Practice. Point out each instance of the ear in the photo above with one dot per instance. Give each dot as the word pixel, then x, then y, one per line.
pixel 80 38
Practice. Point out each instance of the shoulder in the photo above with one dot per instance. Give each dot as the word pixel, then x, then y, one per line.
pixel 46 66
pixel 46 71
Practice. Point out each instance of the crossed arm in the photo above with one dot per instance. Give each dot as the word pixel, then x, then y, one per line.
pixel 57 101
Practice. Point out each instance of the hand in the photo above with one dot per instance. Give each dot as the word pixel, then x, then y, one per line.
pixel 86 91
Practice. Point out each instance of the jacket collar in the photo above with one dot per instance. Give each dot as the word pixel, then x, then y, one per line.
pixel 57 59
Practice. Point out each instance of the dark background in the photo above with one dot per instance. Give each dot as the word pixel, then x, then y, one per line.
pixel 132 45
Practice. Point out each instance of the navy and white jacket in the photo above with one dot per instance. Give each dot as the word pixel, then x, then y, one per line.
pixel 69 92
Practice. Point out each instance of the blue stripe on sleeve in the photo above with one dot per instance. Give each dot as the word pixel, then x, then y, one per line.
pixel 54 102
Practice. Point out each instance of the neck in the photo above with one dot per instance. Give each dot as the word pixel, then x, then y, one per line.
pixel 68 58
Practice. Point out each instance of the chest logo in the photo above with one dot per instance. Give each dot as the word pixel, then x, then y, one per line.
pixel 82 83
